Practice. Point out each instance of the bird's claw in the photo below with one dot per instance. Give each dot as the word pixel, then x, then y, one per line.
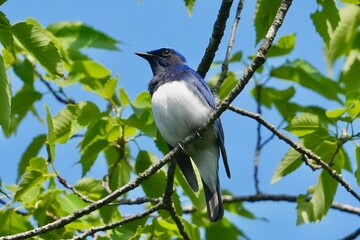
pixel 181 145
pixel 197 133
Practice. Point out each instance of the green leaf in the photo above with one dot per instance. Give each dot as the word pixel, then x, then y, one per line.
pixel 351 1
pixel 31 151
pixel 322 197
pixel 5 97
pixel 78 35
pixel 264 15
pixel 350 77
pixel 357 173
pixel 90 154
pixel 25 71
pixel 90 187
pixel 189 6
pixel 50 141
pixel 90 73
pixel 144 123
pixel 2 2
pixel 336 113
pixel 30 179
pixel 72 119
pixel 6 37
pixel 283 47
pixel 71 203
pixel 223 229
pixel 124 98
pixel 303 73
pixel 288 164
pixel 11 222
pixel 326 20
pixel 142 103
pixel 227 86
pixel 40 47
pixel 154 186
pixel 304 124
pixel 269 96
pixel 342 39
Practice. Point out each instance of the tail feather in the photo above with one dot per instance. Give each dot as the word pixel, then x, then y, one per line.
pixel 214 203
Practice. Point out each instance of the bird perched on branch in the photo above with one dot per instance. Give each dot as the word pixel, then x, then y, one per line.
pixel 181 102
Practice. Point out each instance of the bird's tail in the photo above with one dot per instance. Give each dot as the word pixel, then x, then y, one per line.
pixel 214 203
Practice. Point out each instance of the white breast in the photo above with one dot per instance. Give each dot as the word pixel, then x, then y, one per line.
pixel 177 111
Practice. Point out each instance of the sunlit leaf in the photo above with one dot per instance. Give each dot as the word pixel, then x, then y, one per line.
pixel 303 73
pixel 154 186
pixel 25 71
pixel 304 124
pixel 78 35
pixel 350 77
pixel 342 39
pixel 30 179
pixel 31 151
pixel 40 47
pixel 6 37
pixel 141 103
pixel 12 222
pixel 284 46
pixel 264 15
pixel 90 154
pixel 90 187
pixel 5 97
pixel 73 118
pixel 223 229
pixel 326 20
pixel 322 197
pixel 70 203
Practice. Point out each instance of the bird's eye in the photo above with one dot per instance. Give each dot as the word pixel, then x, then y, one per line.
pixel 166 52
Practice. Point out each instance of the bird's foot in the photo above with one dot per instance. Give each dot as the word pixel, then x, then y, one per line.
pixel 197 133
pixel 181 145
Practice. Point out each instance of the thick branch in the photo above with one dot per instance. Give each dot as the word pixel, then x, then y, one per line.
pixel 217 34
pixel 301 149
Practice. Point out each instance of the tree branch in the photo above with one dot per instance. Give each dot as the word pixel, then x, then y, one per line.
pixel 225 64
pixel 215 40
pixel 299 148
pixel 353 235
pixel 93 230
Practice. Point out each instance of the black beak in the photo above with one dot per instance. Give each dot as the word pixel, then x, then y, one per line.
pixel 145 55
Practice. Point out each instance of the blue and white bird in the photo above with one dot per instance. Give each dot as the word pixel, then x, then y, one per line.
pixel 181 102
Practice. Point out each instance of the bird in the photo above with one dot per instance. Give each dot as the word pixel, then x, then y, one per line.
pixel 181 101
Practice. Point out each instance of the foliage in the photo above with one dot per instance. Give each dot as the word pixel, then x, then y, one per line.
pixel 54 56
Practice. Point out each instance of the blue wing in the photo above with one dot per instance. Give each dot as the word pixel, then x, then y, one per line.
pixel 202 90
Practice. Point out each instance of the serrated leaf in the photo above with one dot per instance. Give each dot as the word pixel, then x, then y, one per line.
pixel 30 179
pixel 342 38
pixel 31 151
pixel 78 35
pixel 25 71
pixel 284 46
pixel 264 15
pixel 90 154
pixel 357 173
pixel 6 37
pixel 321 200
pixel 304 124
pixel 154 186
pixel 326 20
pixel 72 119
pixel 124 98
pixel 303 73
pixel 288 164
pixel 40 47
pixel 90 187
pixel 5 97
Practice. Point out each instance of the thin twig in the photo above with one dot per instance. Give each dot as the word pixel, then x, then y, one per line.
pixel 168 200
pixel 258 141
pixel 352 235
pixel 68 186
pixel 225 64
pixel 227 199
pixel 137 201
pixel 216 37
pixel 93 230
pixel 299 148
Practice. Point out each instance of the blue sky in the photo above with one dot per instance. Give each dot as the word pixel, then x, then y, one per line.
pixel 147 25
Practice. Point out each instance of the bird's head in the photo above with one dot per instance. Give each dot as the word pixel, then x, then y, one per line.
pixel 162 59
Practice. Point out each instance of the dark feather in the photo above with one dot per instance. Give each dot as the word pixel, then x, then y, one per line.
pixel 214 203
